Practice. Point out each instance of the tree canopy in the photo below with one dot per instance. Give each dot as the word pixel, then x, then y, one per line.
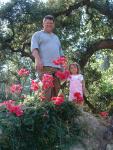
pixel 84 27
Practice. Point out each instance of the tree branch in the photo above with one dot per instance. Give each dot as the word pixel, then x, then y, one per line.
pixel 22 51
pixel 71 8
pixel 102 44
pixel 105 10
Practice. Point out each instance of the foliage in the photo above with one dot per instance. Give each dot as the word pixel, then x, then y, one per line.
pixel 78 30
pixel 29 122
pixel 99 85
pixel 43 126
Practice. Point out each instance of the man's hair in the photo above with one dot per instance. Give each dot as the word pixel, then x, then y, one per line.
pixel 49 17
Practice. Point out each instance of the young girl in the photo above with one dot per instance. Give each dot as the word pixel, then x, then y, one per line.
pixel 77 84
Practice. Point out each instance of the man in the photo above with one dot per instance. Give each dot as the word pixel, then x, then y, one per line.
pixel 46 47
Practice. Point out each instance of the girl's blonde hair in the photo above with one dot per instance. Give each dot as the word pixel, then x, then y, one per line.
pixel 75 65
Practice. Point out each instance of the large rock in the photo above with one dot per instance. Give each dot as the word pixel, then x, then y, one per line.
pixel 109 147
pixel 95 129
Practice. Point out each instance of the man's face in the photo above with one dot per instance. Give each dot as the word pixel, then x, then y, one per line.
pixel 48 25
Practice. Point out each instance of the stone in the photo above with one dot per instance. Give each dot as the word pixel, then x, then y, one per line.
pixel 109 147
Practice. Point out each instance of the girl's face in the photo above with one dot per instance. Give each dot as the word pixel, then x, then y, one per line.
pixel 73 69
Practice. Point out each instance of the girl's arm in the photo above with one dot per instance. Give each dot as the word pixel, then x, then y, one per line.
pixel 83 87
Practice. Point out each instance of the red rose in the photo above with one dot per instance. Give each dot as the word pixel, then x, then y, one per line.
pixel 63 75
pixel 34 86
pixel 61 61
pixel 23 72
pixel 103 114
pixel 16 88
pixel 78 98
pixel 58 100
pixel 12 108
pixel 47 81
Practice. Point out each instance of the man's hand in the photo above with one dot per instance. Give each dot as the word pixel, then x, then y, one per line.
pixel 38 65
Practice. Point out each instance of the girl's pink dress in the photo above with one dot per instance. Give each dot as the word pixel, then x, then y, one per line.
pixel 75 85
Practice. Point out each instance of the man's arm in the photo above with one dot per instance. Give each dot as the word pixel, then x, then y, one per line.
pixel 38 63
pixel 35 51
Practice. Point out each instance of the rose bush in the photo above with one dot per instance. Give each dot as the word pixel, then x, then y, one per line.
pixel 29 122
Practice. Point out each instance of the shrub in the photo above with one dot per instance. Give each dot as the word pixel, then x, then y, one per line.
pixel 43 126
pixel 30 122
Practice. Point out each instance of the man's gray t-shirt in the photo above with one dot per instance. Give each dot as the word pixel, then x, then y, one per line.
pixel 49 47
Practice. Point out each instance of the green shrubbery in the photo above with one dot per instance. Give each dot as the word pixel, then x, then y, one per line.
pixel 43 126
pixel 28 122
